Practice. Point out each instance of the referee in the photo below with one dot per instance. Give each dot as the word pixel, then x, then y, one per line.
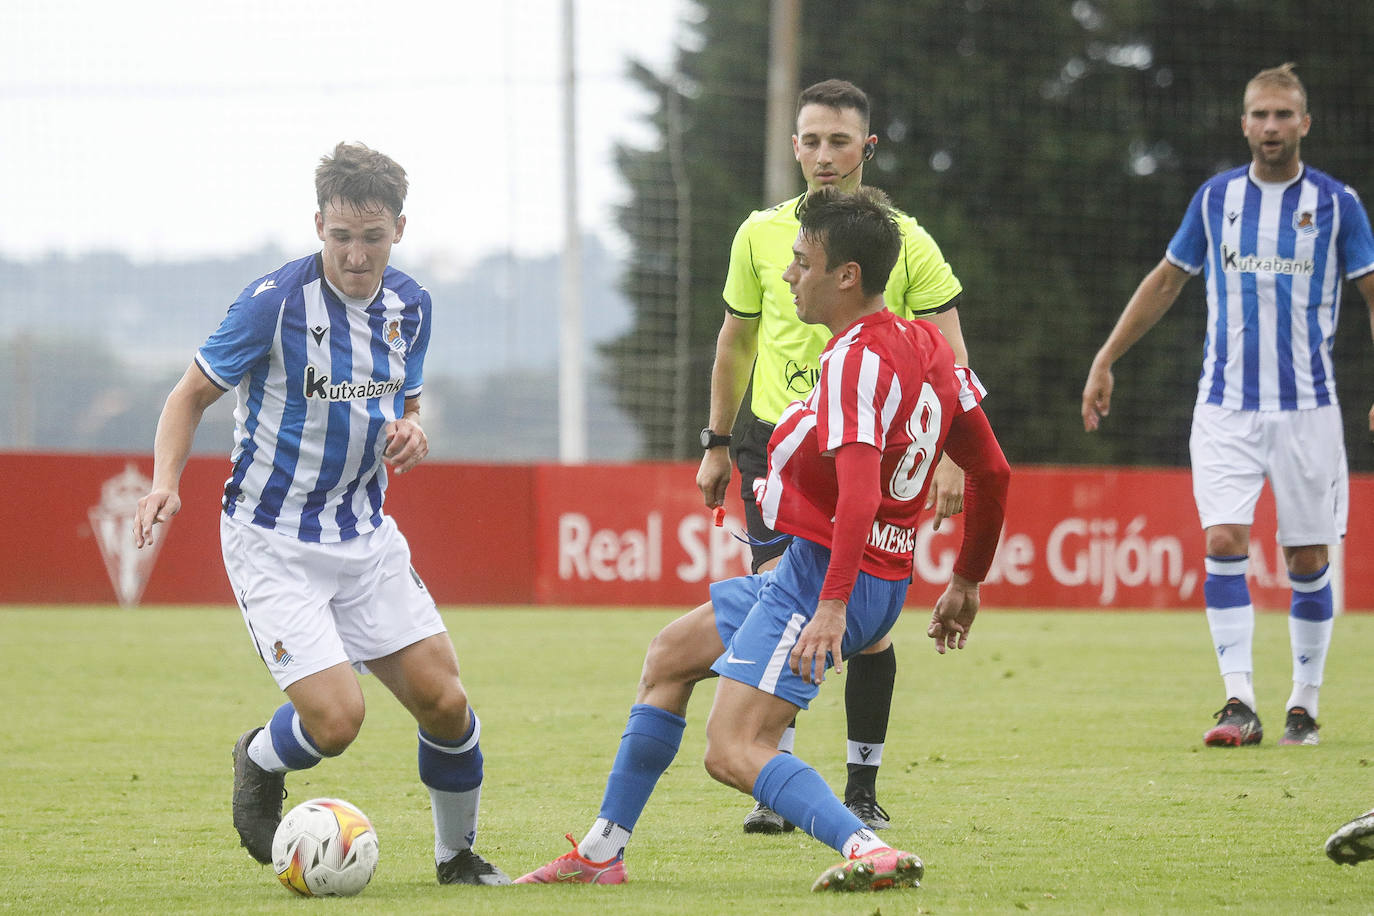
pixel 765 348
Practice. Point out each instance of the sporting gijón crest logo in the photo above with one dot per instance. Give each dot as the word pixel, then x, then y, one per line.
pixel 112 525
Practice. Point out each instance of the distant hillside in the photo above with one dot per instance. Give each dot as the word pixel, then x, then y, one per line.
pixel 104 338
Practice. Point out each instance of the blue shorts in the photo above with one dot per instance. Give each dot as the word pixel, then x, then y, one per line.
pixel 759 618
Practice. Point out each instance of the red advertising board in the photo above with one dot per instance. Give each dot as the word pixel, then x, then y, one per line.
pixel 633 534
pixel 1105 537
pixel 629 534
pixel 68 519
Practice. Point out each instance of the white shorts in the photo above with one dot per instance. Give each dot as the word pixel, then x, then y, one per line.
pixel 1301 452
pixel 310 606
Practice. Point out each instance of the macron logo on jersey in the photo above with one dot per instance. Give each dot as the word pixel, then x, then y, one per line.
pixel 1232 260
pixel 263 287
pixel 317 385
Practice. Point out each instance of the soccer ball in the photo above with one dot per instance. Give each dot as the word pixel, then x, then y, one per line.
pixel 325 847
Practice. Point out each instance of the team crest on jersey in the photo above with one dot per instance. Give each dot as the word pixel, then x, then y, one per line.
pixel 280 655
pixel 1305 221
pixel 392 335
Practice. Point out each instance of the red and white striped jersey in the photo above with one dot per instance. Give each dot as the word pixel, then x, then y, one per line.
pixel 887 382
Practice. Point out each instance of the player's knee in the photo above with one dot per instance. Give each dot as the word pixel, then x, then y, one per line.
pixel 725 756
pixel 444 711
pixel 721 764
pixel 334 730
pixel 661 661
pixel 1227 541
pixel 650 674
pixel 1306 561
pixel 878 648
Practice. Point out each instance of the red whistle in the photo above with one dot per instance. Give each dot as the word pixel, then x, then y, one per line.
pixel 719 513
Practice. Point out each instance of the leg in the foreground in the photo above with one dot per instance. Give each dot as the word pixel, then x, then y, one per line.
pixel 1354 842
pixel 1310 620
pixel 677 658
pixel 741 751
pixel 322 717
pixel 424 677
pixel 868 688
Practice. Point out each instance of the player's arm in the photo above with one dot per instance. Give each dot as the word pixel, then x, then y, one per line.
pixel 736 346
pixel 972 445
pixel 1152 298
pixel 948 323
pixel 176 430
pixel 946 493
pixel 406 442
pixel 931 280
pixel 932 291
pixel 858 469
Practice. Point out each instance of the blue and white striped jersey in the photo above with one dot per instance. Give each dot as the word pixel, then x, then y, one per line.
pixel 1276 256
pixel 317 381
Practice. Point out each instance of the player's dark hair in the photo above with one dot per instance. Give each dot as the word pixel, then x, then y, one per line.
pixel 1280 77
pixel 853 226
pixel 836 94
pixel 362 177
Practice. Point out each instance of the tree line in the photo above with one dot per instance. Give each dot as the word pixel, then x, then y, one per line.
pixel 1049 146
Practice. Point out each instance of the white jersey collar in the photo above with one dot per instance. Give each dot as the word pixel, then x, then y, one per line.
pixel 1277 185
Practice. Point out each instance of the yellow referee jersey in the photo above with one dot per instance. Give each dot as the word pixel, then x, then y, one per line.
pixel 788 350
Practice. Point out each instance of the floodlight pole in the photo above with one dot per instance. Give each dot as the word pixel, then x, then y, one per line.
pixel 572 416
pixel 779 167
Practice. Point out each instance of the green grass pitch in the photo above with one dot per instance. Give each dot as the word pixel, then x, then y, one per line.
pixel 1053 766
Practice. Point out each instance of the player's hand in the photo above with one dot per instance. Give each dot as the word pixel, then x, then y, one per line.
pixel 157 506
pixel 1097 396
pixel 953 615
pixel 714 476
pixel 823 635
pixel 406 444
pixel 946 492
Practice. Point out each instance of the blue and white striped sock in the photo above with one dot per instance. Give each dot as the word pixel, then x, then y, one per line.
pixel 1310 622
pixel 284 745
pixel 1231 619
pixel 452 771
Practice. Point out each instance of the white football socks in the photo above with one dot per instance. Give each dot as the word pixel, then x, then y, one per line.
pixel 861 843
pixel 1233 633
pixel 455 821
pixel 603 842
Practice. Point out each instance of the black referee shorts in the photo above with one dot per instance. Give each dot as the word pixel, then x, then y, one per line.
pixel 751 457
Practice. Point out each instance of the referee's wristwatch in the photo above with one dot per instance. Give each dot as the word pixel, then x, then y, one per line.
pixel 710 439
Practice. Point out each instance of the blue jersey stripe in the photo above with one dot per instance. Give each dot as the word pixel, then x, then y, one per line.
pixel 381 361
pixel 246 450
pixel 1283 301
pixel 293 417
pixel 1319 344
pixel 337 426
pixel 1249 298
pixel 1216 201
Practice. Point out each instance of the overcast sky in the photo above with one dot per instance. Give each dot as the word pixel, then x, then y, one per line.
pixel 172 128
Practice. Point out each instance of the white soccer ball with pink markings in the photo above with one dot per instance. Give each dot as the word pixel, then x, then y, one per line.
pixel 325 847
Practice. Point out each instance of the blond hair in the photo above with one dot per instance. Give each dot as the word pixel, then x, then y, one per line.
pixel 1280 77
